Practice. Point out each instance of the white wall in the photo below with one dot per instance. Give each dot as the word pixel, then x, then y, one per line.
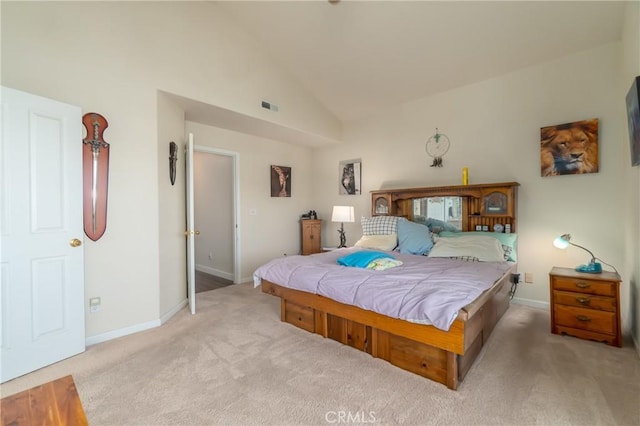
pixel 171 214
pixel 112 58
pixel 630 238
pixel 213 213
pixel 494 128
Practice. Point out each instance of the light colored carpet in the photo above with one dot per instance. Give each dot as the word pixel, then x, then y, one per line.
pixel 235 363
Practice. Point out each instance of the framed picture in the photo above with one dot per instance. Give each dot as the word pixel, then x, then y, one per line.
pixel 633 120
pixel 569 149
pixel 280 181
pixel 349 177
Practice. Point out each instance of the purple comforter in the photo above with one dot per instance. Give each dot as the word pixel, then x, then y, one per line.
pixel 424 289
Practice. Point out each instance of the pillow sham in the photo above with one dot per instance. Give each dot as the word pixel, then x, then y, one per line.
pixel 509 241
pixel 414 238
pixel 380 242
pixel 486 249
pixel 379 225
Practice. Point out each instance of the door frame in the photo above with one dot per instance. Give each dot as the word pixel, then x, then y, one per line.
pixel 235 156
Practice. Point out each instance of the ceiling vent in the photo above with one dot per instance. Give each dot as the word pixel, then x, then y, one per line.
pixel 269 106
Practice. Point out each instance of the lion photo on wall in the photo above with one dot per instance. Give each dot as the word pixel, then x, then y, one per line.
pixel 569 149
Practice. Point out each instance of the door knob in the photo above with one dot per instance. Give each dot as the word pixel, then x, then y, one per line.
pixel 75 242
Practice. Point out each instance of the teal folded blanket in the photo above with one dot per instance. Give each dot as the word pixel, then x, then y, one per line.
pixel 362 259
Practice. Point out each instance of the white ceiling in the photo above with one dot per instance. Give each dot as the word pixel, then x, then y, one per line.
pixel 357 57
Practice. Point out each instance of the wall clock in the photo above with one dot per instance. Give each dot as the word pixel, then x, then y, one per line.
pixel 436 147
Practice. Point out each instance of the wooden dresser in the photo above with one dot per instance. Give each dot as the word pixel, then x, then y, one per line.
pixel 311 239
pixel 586 305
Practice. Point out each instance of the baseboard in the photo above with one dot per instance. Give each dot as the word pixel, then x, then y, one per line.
pixel 213 271
pixel 530 302
pixel 114 334
pixel 164 318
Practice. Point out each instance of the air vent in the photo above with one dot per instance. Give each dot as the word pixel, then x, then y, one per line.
pixel 269 106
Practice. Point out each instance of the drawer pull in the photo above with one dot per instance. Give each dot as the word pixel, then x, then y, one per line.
pixel 583 300
pixel 583 318
pixel 582 284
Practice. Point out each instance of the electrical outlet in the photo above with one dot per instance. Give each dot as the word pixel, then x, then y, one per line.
pixel 94 305
pixel 210 256
pixel 528 277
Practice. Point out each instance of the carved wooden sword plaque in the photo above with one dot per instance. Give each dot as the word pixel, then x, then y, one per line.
pixel 95 171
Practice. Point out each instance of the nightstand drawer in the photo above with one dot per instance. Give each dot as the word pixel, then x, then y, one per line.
pixel 585 319
pixel 583 285
pixel 583 300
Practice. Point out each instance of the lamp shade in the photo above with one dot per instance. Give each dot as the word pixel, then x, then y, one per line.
pixel 343 214
pixel 562 242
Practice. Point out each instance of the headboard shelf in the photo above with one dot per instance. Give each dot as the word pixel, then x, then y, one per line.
pixel 484 204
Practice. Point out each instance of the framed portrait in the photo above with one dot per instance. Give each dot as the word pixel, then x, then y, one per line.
pixel 280 181
pixel 633 120
pixel 349 177
pixel 569 149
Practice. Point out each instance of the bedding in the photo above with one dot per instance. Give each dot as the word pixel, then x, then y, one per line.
pixel 378 242
pixel 414 238
pixel 423 289
pixel 508 241
pixel 483 248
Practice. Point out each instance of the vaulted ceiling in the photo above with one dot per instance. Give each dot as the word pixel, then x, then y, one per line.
pixel 357 57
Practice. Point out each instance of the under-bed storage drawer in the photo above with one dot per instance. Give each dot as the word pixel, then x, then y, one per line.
pixel 300 316
pixel 349 333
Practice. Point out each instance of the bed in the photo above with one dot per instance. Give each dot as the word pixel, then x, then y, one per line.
pixel 439 349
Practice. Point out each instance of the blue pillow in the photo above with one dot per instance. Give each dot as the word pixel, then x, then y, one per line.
pixel 414 238
pixel 436 226
pixel 508 241
pixel 362 259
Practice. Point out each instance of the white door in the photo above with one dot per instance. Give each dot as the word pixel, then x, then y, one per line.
pixel 42 260
pixel 191 232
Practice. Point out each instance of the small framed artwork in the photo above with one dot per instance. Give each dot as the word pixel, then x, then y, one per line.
pixel 633 120
pixel 349 177
pixel 280 181
pixel 569 149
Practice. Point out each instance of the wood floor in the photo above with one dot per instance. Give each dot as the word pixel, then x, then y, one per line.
pixel 207 282
pixel 54 403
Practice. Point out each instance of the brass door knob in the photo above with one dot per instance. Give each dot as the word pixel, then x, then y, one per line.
pixel 75 242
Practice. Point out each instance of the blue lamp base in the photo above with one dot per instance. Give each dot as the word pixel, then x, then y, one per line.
pixel 590 268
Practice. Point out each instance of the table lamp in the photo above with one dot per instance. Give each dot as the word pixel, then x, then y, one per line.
pixel 342 214
pixel 593 267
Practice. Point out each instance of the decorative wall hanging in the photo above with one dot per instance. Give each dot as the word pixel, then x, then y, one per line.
pixel 633 120
pixel 569 149
pixel 350 177
pixel 173 158
pixel 95 171
pixel 437 146
pixel 280 181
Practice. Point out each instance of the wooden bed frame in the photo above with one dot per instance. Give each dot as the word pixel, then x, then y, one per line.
pixel 442 356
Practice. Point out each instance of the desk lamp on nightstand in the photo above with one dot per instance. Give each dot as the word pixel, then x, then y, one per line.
pixel 593 267
pixel 342 214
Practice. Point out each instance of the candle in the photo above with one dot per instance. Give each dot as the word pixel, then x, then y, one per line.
pixel 465 176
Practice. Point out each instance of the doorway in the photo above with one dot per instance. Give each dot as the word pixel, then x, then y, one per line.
pixel 215 215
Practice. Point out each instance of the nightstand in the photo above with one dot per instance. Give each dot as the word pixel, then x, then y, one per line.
pixel 311 231
pixel 585 305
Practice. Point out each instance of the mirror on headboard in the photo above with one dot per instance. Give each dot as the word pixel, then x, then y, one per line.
pixel 446 209
pixel 478 207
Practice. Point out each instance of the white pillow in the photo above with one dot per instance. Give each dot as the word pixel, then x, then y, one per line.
pixel 380 242
pixel 485 249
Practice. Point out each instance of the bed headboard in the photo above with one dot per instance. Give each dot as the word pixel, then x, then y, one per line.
pixel 482 204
